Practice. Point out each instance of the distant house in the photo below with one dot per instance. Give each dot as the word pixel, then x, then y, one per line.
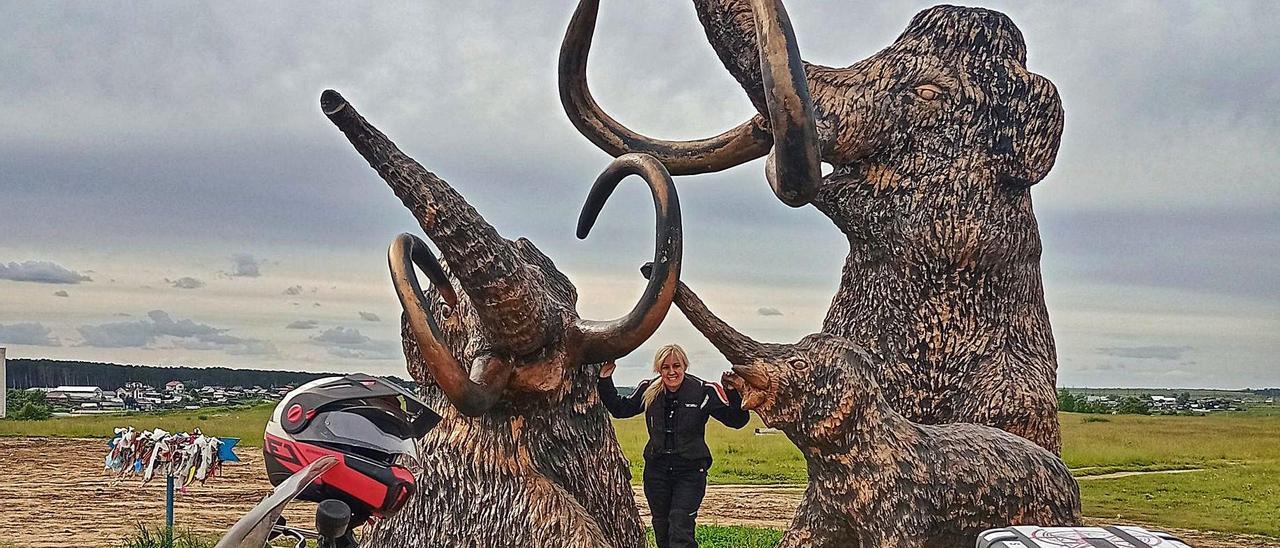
pixel 174 386
pixel 69 394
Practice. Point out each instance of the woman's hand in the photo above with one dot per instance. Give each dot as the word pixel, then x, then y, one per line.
pixel 607 370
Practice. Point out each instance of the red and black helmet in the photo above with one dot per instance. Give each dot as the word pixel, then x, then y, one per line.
pixel 361 421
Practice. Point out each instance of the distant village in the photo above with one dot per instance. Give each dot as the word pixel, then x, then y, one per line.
pixel 1159 404
pixel 136 396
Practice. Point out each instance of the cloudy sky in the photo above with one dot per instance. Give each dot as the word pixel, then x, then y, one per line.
pixel 171 194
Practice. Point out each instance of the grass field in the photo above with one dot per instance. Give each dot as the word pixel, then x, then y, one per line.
pixel 1238 490
pixel 730 537
pixel 246 424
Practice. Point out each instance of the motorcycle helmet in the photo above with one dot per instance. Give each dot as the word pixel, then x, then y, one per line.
pixel 360 421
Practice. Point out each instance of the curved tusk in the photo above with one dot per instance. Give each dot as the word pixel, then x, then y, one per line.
pixel 746 142
pixel 607 340
pixel 793 168
pixel 469 397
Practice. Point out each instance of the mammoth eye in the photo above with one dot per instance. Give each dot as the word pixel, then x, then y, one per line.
pixel 799 363
pixel 928 92
pixel 446 311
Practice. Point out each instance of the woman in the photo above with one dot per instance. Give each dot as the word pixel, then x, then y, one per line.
pixel 676 406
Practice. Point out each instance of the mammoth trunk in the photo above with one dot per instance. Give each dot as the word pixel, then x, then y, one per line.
pixel 485 264
pixel 547 475
pixel 736 347
pixel 730 28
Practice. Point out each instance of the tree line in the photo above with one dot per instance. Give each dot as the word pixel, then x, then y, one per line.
pixel 29 373
pixel 1128 405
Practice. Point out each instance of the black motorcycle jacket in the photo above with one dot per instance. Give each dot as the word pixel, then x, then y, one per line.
pixel 677 420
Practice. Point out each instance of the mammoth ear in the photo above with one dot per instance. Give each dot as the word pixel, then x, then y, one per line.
pixel 1028 128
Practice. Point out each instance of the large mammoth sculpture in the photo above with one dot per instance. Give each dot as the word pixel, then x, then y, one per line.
pixel 525 455
pixel 934 142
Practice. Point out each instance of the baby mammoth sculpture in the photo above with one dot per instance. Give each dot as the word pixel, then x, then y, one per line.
pixel 934 143
pixel 877 479
pixel 525 454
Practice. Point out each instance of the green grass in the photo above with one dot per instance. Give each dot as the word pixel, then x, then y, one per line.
pixel 715 536
pixel 157 537
pixel 1239 492
pixel 1262 410
pixel 246 424
pixel 740 455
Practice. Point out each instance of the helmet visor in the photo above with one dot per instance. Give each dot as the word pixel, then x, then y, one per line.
pixel 357 431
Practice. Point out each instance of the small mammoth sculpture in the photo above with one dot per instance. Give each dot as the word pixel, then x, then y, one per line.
pixel 877 479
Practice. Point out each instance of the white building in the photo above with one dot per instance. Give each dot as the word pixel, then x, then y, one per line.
pixel 75 394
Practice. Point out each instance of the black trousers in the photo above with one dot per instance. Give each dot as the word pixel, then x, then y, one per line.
pixel 674 489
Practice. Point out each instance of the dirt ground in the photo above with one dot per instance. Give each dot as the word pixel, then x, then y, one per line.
pixel 56 495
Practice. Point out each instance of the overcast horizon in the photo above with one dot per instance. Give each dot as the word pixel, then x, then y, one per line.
pixel 170 193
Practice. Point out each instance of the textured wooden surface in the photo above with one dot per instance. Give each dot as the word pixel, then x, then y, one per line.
pixel 942 283
pixel 934 143
pixel 875 477
pixel 525 454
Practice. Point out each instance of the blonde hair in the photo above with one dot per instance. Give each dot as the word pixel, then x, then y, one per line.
pixel 655 387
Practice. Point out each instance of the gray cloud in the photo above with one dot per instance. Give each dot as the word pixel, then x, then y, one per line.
pixel 29 333
pixel 44 272
pixel 186 334
pixel 1226 252
pixel 768 311
pixel 341 336
pixel 61 293
pixel 118 334
pixel 369 317
pixel 345 342
pixel 245 265
pixel 1166 178
pixel 1155 352
pixel 185 282
pixel 302 324
pixel 293 290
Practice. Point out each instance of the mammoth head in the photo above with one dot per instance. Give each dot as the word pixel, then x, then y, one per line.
pixel 500 305
pixel 791 386
pixel 952 93
pixel 950 99
pixel 798 387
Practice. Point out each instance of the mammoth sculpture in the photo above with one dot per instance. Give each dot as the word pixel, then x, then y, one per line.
pixel 525 455
pixel 876 478
pixel 934 143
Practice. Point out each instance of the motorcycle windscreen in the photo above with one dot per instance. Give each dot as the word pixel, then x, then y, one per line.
pixel 252 530
pixel 354 430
